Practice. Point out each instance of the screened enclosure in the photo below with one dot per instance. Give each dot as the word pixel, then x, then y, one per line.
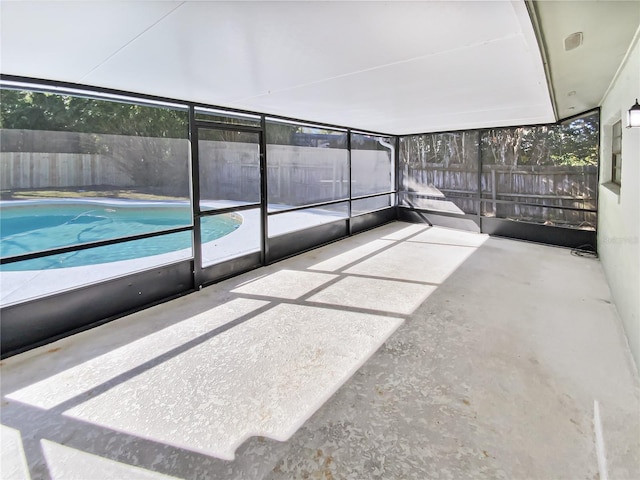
pixel 538 175
pixel 111 195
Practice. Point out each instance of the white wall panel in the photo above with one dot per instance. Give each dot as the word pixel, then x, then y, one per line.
pixel 619 210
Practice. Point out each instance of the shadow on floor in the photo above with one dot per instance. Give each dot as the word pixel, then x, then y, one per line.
pixel 476 382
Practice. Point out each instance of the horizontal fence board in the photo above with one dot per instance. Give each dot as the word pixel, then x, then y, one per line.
pixel 229 170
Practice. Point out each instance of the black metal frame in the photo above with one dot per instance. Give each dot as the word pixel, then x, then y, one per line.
pixel 264 194
pixel 553 235
pixel 306 206
pixel 64 313
pixel 292 243
pixel 350 184
pixel 42 320
pixel 88 245
pixel 206 275
pixel 372 195
pixel 89 305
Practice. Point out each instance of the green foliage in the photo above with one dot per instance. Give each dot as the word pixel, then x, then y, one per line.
pixel 280 133
pixel 22 109
pixel 454 149
pixel 572 144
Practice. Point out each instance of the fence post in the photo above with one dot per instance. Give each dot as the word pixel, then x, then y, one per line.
pixel 493 191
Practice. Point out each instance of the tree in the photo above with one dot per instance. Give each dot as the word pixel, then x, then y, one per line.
pixel 32 110
pixel 573 144
pixel 23 109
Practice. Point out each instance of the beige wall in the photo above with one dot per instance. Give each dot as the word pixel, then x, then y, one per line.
pixel 619 209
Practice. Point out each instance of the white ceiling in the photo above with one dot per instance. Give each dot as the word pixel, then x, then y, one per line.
pixel 393 67
pixel 581 77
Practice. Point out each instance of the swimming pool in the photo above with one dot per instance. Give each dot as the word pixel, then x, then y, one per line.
pixel 32 226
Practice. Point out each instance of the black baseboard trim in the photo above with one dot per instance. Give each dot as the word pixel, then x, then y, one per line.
pixel 466 222
pixel 371 220
pixel 546 234
pixel 43 320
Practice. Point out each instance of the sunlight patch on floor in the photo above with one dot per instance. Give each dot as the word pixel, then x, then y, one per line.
pixel 384 295
pixel 66 463
pixel 265 377
pixel 13 462
pixel 287 284
pixel 412 262
pixel 81 379
pixel 350 256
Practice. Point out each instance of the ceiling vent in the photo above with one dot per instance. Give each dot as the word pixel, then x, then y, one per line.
pixel 573 41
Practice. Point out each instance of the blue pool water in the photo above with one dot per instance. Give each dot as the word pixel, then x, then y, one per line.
pixel 34 226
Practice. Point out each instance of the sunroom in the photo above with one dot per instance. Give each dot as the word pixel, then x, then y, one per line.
pixel 319 239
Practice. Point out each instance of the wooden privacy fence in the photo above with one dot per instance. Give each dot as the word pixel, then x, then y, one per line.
pixel 302 175
pixel 228 170
pixel 544 185
pixel 36 159
pixel 569 186
pixel 296 175
pixel 30 170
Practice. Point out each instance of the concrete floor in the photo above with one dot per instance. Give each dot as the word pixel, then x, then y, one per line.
pixel 406 352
